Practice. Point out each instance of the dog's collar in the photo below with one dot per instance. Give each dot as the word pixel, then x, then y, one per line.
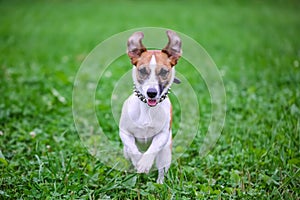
pixel 144 99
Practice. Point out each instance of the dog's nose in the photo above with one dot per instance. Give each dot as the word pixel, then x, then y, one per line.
pixel 151 92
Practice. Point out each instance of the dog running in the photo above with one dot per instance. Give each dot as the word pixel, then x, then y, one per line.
pixel 146 118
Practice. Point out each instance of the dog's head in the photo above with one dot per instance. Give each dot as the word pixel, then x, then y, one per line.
pixel 153 71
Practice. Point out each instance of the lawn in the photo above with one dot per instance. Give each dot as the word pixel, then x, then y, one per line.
pixel 255 46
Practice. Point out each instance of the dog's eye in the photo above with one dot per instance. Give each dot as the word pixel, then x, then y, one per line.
pixel 163 72
pixel 143 72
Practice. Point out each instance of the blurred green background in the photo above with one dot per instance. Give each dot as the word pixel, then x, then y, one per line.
pixel 256 47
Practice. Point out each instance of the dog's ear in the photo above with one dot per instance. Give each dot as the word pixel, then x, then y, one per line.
pixel 176 80
pixel 135 47
pixel 173 48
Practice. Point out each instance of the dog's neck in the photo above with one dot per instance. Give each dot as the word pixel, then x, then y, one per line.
pixel 143 98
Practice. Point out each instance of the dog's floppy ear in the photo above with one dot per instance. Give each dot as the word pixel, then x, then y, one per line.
pixel 173 48
pixel 135 47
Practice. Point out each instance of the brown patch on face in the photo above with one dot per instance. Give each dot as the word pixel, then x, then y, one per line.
pixel 162 70
pixel 144 59
pixel 162 58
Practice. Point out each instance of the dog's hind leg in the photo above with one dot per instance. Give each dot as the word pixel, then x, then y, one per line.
pixel 163 162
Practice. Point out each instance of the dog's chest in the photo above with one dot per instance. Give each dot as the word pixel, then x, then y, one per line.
pixel 148 124
pixel 144 122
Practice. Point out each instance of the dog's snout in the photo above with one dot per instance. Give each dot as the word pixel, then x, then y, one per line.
pixel 151 92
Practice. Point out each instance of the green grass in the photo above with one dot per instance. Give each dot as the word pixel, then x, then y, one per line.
pixel 255 45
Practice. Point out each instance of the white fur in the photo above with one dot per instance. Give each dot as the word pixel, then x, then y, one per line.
pixel 153 60
pixel 141 125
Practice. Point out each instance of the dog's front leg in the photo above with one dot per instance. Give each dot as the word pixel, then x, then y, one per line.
pixel 131 151
pixel 147 159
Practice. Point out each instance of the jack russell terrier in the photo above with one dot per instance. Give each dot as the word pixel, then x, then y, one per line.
pixel 145 123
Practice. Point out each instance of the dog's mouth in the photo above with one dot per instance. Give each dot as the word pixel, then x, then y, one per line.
pixel 152 102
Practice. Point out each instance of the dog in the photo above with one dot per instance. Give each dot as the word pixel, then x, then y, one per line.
pixel 146 118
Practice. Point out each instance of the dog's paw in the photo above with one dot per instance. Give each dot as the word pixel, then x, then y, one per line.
pixel 161 175
pixel 160 180
pixel 145 164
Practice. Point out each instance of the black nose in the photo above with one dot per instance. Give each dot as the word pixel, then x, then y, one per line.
pixel 151 92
